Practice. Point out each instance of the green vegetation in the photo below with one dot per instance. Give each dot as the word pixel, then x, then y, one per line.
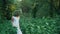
pixel 37 16
pixel 33 26
pixel 40 25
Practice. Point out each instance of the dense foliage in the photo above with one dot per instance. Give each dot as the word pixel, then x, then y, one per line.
pixel 40 8
pixel 33 26
pixel 38 16
pixel 40 25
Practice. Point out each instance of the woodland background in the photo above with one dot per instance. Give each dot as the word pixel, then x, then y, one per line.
pixel 37 16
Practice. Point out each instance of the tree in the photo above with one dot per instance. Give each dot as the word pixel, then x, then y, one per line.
pixel 51 8
pixel 35 9
pixel 8 6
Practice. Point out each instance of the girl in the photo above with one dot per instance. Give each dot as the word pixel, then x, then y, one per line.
pixel 15 22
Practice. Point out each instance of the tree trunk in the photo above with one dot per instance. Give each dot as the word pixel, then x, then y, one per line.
pixel 51 8
pixel 35 9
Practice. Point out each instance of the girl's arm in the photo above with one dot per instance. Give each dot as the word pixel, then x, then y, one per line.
pixel 12 19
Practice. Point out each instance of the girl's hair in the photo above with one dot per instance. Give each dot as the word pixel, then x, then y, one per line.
pixel 17 13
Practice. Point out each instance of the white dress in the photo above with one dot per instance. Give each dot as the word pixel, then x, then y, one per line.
pixel 15 23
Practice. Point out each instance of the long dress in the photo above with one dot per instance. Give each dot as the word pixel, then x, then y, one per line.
pixel 15 23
